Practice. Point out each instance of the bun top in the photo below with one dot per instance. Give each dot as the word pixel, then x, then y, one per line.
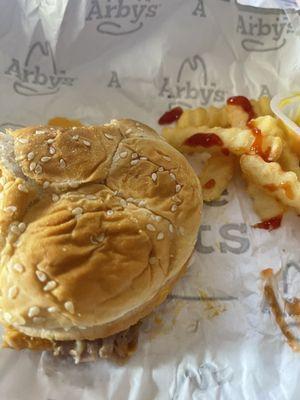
pixel 97 223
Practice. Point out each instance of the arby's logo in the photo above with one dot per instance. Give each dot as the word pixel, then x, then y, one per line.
pixel 121 17
pixel 192 85
pixel 38 74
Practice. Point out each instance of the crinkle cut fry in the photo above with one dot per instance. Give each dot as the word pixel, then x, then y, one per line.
pixel 224 116
pixel 216 176
pixel 238 141
pixel 265 205
pixel 280 184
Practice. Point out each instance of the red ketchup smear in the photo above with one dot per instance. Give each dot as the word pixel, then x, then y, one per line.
pixel 170 116
pixel 286 186
pixel 209 184
pixel 269 224
pixel 243 102
pixel 225 151
pixel 256 147
pixel 204 140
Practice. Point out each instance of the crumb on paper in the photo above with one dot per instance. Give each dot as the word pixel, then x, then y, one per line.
pixel 212 308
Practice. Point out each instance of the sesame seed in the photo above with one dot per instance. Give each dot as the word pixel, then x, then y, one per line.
pixel 114 121
pixel 10 209
pixel 52 309
pixel 14 229
pixel 22 226
pixel 91 197
pixel 167 158
pixel 178 188
pixel 130 199
pixel 52 150
pixel 128 130
pixel 69 306
pixel 39 132
pixel 18 268
pixel 172 176
pixel 108 136
pixel 152 260
pixel 22 140
pixel 30 156
pixel 75 137
pixel 62 163
pixel 42 277
pixel 160 169
pixel 87 143
pixel 74 128
pixel 45 159
pixel 154 177
pixel 32 166
pixel 77 211
pixel 22 187
pixel 55 197
pixel 7 316
pixel 109 213
pixel 173 208
pixel 74 184
pixel 50 141
pixel 38 169
pixel 157 218
pixel 150 227
pixel 38 320
pixel 123 203
pixel 134 155
pixel 160 236
pixel 97 239
pixel 33 311
pixel 171 228
pixel 50 286
pixel 123 154
pixel 134 162
pixel 144 158
pixel 142 203
pixel 46 184
pixel 3 180
pixel 13 292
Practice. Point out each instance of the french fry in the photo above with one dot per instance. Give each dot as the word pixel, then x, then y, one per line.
pixel 237 116
pixel 210 117
pixel 265 206
pixel 216 175
pixel 289 160
pixel 237 141
pixel 262 106
pixel 223 117
pixel 282 185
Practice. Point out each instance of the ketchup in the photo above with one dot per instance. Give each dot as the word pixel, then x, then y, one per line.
pixel 225 151
pixel 204 140
pixel 269 224
pixel 209 184
pixel 256 146
pixel 243 102
pixel 170 116
pixel 286 186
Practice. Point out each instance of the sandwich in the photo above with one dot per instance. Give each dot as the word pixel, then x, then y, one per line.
pixel 97 224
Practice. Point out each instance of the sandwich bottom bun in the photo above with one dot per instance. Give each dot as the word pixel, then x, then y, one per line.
pixel 96 225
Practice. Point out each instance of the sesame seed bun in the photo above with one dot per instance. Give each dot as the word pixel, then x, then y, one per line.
pixel 97 224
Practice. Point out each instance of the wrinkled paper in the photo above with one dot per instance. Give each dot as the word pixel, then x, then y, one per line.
pixel 214 338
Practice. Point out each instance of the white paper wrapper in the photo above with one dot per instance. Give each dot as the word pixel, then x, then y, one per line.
pixel 134 58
